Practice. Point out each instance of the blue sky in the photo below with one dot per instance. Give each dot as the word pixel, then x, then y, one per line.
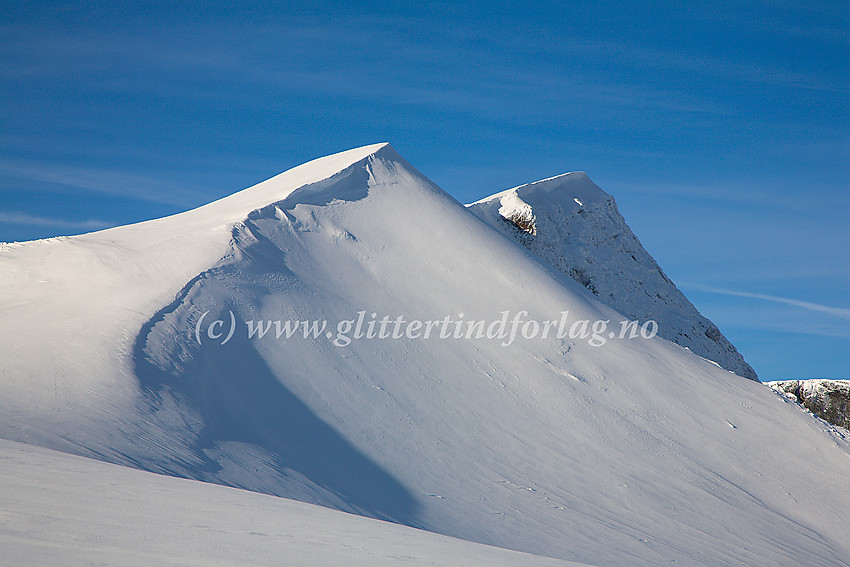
pixel 720 128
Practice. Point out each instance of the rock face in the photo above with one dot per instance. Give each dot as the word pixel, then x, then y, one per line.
pixel 575 227
pixel 827 399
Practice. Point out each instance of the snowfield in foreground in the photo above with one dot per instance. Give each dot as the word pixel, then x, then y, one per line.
pixel 58 509
pixel 637 452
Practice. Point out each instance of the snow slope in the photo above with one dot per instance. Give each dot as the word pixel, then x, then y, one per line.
pixel 636 452
pixel 58 509
pixel 575 227
pixel 80 301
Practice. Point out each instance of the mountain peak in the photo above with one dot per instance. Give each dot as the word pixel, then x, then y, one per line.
pixel 238 205
pixel 575 227
pixel 568 190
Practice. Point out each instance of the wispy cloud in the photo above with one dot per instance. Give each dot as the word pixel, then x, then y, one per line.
pixel 319 62
pixel 14 217
pixel 120 184
pixel 745 72
pixel 835 311
pixel 768 192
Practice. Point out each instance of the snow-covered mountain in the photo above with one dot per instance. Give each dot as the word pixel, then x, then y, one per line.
pixel 575 227
pixel 115 345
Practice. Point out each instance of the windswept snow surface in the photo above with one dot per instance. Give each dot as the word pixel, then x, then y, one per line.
pixel 58 509
pixel 636 452
pixel 575 227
